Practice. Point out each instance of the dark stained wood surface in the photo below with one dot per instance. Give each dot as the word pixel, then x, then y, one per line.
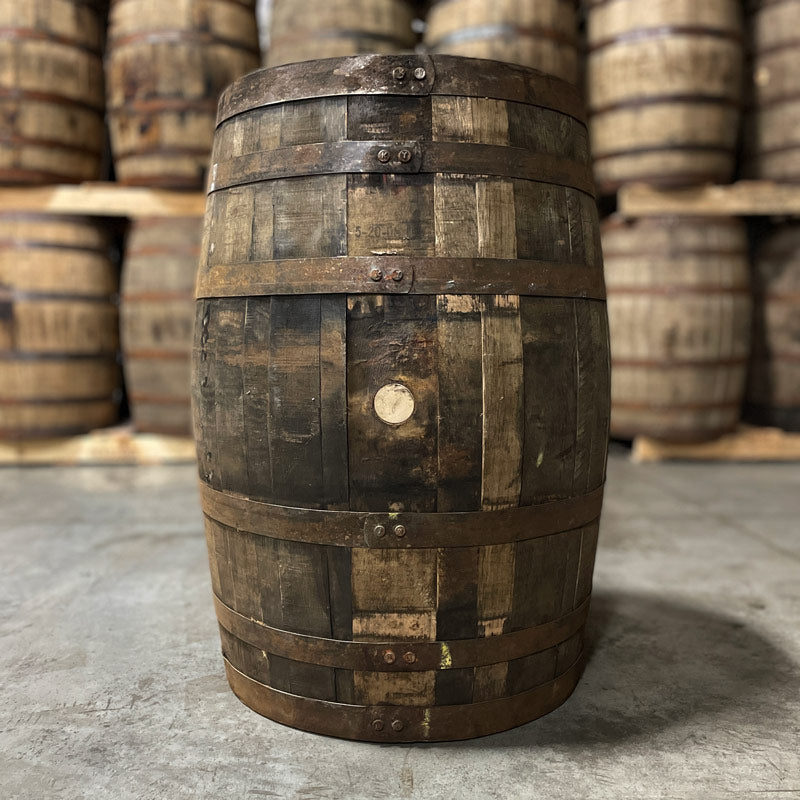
pixel 393 462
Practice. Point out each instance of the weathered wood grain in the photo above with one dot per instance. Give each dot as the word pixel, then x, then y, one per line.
pixel 679 306
pixel 51 91
pixel 382 392
pixel 543 35
pixel 664 84
pixel 156 321
pixel 58 327
pixel 165 68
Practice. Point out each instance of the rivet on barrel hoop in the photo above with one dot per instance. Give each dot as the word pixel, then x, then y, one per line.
pixel 405 156
pixel 399 73
pixel 384 156
pixel 400 531
pixel 377 724
pixel 397 725
pixel 389 657
pixel 420 74
pixel 379 531
pixel 375 274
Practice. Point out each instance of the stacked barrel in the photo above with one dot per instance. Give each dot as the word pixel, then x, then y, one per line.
pixel 166 65
pixel 58 318
pixel 772 152
pixel 665 91
pixel 535 33
pixel 314 29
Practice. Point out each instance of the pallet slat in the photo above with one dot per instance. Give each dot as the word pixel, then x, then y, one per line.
pixel 744 198
pixel 119 445
pixel 103 199
pixel 745 444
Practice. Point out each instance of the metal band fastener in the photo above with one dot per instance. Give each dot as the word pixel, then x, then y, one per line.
pixel 420 530
pixel 404 723
pixel 399 656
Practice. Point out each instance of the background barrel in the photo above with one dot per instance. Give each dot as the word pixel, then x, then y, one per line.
pixel 537 34
pixel 166 65
pixel 157 315
pixel 51 91
pixel 665 90
pixel 773 393
pixel 679 307
pixel 401 394
pixel 58 327
pixel 772 141
pixel 330 28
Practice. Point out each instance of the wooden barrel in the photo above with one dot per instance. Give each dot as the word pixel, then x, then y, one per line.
pixel 679 306
pixel 401 394
pixel 772 140
pixel 665 90
pixel 58 326
pixel 157 315
pixel 330 28
pixel 542 35
pixel 51 91
pixel 167 63
pixel 773 392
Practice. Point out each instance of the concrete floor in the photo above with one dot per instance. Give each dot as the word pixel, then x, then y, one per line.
pixel 112 684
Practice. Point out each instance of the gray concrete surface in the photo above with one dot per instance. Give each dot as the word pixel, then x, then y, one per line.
pixel 112 684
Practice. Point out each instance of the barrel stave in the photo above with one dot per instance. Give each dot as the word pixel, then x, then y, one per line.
pixel 382 346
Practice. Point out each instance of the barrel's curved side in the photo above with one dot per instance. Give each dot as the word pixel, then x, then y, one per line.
pixel 156 322
pixel 773 392
pixel 679 303
pixel 58 327
pixel 408 342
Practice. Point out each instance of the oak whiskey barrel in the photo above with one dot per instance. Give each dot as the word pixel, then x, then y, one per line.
pixel 679 307
pixel 58 327
pixel 535 33
pixel 51 91
pixel 665 90
pixel 166 65
pixel 401 394
pixel 330 28
pixel 772 137
pixel 157 316
pixel 773 392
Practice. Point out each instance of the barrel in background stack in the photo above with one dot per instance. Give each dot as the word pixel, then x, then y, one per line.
pixel 51 91
pixel 167 62
pixel 773 393
pixel 772 140
pixel 369 342
pixel 679 306
pixel 315 29
pixel 157 314
pixel 58 326
pixel 665 90
pixel 536 33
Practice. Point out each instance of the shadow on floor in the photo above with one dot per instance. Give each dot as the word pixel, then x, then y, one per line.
pixel 653 664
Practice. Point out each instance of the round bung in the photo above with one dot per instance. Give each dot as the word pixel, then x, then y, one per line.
pixel 679 308
pixel 400 384
pixel 330 28
pixel 773 392
pixel 664 88
pixel 51 91
pixel 166 66
pixel 542 35
pixel 58 327
pixel 156 317
pixel 772 135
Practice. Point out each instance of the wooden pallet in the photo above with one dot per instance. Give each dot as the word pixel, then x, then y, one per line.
pixel 110 446
pixel 103 199
pixel 745 199
pixel 746 444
